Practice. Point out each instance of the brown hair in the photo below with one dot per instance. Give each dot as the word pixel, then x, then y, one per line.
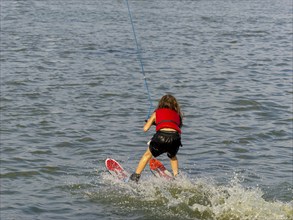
pixel 170 102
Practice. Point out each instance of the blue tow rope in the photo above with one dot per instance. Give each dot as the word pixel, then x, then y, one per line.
pixel 140 60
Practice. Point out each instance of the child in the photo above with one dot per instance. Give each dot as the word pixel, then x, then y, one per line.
pixel 167 139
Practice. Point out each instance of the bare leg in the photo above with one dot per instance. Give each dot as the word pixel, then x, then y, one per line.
pixel 143 161
pixel 174 165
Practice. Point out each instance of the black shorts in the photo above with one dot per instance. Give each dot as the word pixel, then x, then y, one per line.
pixel 165 142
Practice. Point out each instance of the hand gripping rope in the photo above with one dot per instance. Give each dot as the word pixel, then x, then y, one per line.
pixel 140 60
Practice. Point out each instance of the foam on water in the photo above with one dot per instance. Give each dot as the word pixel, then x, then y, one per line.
pixel 186 198
pixel 72 95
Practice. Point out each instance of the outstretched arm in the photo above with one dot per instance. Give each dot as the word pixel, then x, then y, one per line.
pixel 149 122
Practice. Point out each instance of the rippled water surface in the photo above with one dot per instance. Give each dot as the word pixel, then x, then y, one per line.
pixel 72 94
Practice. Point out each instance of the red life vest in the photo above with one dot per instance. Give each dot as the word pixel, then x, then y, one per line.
pixel 167 118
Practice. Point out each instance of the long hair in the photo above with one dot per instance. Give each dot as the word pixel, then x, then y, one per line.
pixel 170 102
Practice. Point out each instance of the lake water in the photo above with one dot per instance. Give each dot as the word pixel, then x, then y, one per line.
pixel 72 94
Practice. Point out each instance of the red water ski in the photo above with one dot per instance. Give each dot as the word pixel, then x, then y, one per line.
pixel 159 170
pixel 116 169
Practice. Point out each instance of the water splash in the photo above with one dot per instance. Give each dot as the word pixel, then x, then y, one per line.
pixel 186 198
